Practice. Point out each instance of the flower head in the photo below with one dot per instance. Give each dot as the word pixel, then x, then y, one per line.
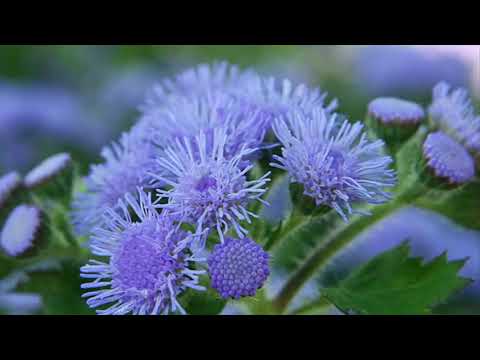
pixel 274 97
pixel 211 80
pixel 127 165
pixel 238 267
pixel 393 110
pixel 243 101
pixel 334 161
pixel 149 261
pixel 206 188
pixel 8 184
pixel 447 159
pixel 21 230
pixel 47 169
pixel 453 112
pixel 188 116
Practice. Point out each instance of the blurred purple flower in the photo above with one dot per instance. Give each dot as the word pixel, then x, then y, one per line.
pixel 16 303
pixel 34 114
pixel 388 70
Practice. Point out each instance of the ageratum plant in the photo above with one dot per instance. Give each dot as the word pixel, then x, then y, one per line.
pixel 188 212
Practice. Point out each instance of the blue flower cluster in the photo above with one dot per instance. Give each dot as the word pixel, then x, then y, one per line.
pixel 185 172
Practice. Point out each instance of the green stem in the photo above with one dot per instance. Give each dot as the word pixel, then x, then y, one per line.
pixel 343 236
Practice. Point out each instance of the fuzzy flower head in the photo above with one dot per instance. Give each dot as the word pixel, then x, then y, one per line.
pixel 21 230
pixel 274 97
pixel 447 159
pixel 185 116
pixel 238 268
pixel 204 79
pixel 393 110
pixel 242 96
pixel 8 184
pixel 208 189
pixel 126 166
pixel 452 111
pixel 149 261
pixel 333 160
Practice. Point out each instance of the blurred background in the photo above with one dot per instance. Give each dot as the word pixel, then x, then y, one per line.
pixel 79 98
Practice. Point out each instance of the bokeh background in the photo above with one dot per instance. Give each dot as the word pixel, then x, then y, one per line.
pixel 79 98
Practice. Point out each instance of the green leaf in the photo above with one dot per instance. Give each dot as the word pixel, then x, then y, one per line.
pixel 393 283
pixel 203 302
pixel 258 304
pixel 461 205
pixel 319 306
pixel 308 233
pixel 408 158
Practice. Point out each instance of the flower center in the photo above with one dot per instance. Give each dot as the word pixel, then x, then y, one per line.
pixel 205 183
pixel 142 263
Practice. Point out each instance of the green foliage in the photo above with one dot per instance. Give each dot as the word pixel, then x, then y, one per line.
pixel 393 283
pixel 308 233
pixel 258 304
pixel 203 302
pixel 408 158
pixel 60 290
pixel 461 205
pixel 320 306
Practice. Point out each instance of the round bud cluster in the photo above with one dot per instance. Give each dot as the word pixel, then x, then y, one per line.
pixel 238 268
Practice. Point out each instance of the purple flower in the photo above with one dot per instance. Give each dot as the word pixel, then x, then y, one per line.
pixel 333 160
pixel 216 95
pixel 21 230
pixel 447 159
pixel 274 97
pixel 453 112
pixel 388 70
pixel 185 116
pixel 394 110
pixel 217 79
pixel 206 188
pixel 238 268
pixel 33 114
pixel 149 261
pixel 127 165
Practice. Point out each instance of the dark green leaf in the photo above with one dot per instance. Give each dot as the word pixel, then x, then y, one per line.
pixel 203 302
pixel 393 283
pixel 461 205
